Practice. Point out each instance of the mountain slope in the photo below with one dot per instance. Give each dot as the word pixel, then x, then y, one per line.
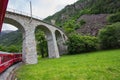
pixel 85 8
pixel 12 38
pixel 93 23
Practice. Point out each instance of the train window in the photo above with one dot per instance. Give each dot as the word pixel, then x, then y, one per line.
pixel 4 59
pixel 0 60
pixel 8 57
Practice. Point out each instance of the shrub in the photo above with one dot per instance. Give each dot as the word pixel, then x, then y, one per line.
pixel 41 43
pixel 85 11
pixel 82 22
pixel 77 43
pixel 109 37
pixel 12 48
pixel 2 48
pixel 114 18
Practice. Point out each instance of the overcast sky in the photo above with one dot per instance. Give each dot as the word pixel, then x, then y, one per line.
pixel 40 8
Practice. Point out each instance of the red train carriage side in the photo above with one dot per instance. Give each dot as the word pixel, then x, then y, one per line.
pixel 17 58
pixel 7 60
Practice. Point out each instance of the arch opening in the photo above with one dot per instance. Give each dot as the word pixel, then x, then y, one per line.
pixel 60 42
pixel 11 39
pixel 43 36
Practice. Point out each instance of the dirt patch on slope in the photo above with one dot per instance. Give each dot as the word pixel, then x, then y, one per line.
pixel 93 24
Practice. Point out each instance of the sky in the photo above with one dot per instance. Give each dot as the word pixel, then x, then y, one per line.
pixel 40 8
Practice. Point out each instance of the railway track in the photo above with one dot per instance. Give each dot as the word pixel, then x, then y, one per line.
pixel 9 74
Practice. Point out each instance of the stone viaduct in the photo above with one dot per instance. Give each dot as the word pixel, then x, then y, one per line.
pixel 54 35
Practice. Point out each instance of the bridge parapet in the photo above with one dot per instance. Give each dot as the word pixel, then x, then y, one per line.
pixel 10 10
pixel 23 13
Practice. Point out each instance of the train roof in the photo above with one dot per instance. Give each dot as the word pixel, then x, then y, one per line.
pixel 1 52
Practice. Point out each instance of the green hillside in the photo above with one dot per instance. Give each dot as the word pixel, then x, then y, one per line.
pixel 12 38
pixel 85 7
pixel 11 42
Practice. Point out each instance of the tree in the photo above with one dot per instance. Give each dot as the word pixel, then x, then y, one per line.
pixel 77 43
pixel 41 43
pixel 114 18
pixel 109 37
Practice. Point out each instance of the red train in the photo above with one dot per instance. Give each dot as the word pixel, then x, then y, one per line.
pixel 8 59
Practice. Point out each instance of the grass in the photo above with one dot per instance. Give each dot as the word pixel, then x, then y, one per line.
pixel 103 65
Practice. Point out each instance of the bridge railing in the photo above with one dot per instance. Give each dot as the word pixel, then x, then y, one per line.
pixel 23 13
pixel 28 14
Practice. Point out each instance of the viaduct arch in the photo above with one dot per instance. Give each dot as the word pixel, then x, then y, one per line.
pixel 54 36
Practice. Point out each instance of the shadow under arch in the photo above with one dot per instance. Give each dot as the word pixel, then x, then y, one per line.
pixel 64 37
pixel 48 36
pixel 60 42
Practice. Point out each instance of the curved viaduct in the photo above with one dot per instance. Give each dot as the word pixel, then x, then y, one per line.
pixel 54 35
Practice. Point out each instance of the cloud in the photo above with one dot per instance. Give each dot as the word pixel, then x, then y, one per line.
pixel 8 27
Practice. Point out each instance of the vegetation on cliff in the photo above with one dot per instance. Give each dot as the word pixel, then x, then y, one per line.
pixel 81 7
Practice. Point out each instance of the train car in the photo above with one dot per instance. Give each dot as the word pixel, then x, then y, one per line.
pixel 8 59
pixel 17 58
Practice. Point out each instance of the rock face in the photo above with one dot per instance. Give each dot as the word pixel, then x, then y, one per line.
pixel 93 23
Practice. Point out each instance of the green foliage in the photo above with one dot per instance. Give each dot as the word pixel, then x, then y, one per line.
pixel 104 6
pixel 2 48
pixel 109 36
pixel 77 43
pixel 41 43
pixel 82 22
pixel 69 26
pixel 84 11
pixel 114 18
pixel 12 48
